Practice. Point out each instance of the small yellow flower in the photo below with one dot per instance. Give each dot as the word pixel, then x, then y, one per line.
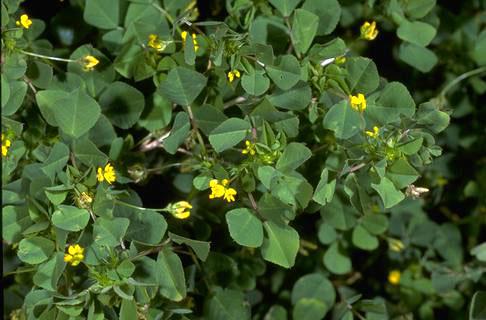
pixel 89 62
pixel 250 148
pixel 394 277
pixel 108 174
pixel 155 43
pixel 181 210
pixel 194 41
pixel 395 245
pixel 358 102
pixel 24 21
pixel 74 255
pixel 373 134
pixel 219 190
pixel 232 74
pixel 5 145
pixel 229 194
pixel 340 60
pixel 369 31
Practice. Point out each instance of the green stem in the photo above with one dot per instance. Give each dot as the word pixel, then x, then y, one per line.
pixel 37 55
pixel 6 274
pixel 292 40
pixel 164 167
pixel 140 208
pixel 460 78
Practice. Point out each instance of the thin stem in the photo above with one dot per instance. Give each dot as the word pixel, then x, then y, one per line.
pixel 196 130
pixel 164 167
pixel 139 208
pixel 460 78
pixel 37 55
pixel 6 274
pixel 292 40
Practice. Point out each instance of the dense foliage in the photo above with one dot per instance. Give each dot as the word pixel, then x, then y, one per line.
pixel 237 159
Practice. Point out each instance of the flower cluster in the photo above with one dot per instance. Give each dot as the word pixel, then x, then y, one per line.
pixel 194 41
pixel 180 210
pixel 24 21
pixel 107 173
pixel 5 145
pixel 250 148
pixel 373 134
pixel 155 43
pixel 233 74
pixel 369 31
pixel 394 277
pixel 358 102
pixel 219 190
pixel 74 255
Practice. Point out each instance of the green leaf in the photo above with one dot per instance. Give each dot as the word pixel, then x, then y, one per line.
pixel 362 75
pixel 255 82
pixel 304 28
pixel 201 248
pixel 417 9
pixel 128 310
pixel 182 85
pixel 336 261
pixel 343 120
pixel 48 273
pixel 418 57
pixel 178 134
pixel 245 228
pixel 286 73
pixel 145 226
pixel 477 311
pixel 109 232
pixel 47 100
pixel 171 275
pixel 325 190
pixel 189 51
pixel 479 51
pixel 208 117
pixel 15 97
pixel 15 219
pixel 310 309
pixel 293 156
pixel 35 250
pixel 70 218
pixel 314 286
pixel 228 304
pixel 102 14
pixel 329 13
pixel 228 134
pixel 388 192
pixel 375 223
pixel 416 32
pixel 87 153
pixel 57 160
pixel 402 174
pixel 78 114
pixel 157 114
pixel 394 100
pixel 122 104
pixel 276 312
pixel 429 115
pixel 363 239
pixel 296 98
pixel 282 244
pixel 339 215
pixel 326 234
pixel 479 251
pixel 285 7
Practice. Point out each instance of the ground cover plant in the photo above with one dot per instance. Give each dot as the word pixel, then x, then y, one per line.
pixel 243 159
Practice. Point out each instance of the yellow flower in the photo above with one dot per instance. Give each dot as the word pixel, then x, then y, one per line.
pixel 89 62
pixel 374 133
pixel 24 21
pixel 181 209
pixel 108 174
pixel 340 60
pixel 395 245
pixel 369 31
pixel 229 194
pixel 194 41
pixel 155 43
pixel 219 190
pixel 358 102
pixel 394 277
pixel 232 74
pixel 75 255
pixel 5 145
pixel 250 148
